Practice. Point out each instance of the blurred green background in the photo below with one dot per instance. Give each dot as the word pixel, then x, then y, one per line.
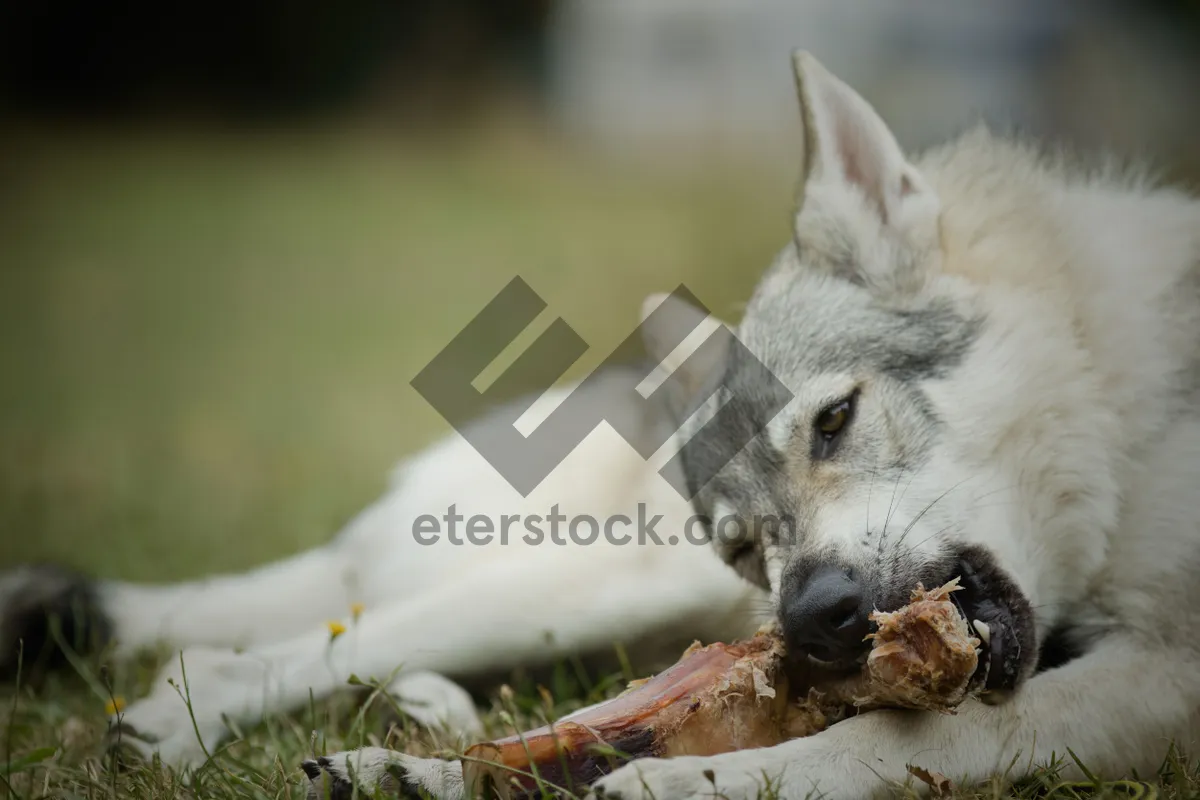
pixel 206 343
pixel 227 244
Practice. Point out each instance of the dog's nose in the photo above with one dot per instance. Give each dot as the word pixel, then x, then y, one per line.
pixel 827 618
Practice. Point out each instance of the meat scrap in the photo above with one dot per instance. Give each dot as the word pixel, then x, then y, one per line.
pixel 724 697
pixel 924 654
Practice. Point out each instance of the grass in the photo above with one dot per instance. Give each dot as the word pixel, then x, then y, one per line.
pixel 55 736
pixel 205 348
pixel 54 744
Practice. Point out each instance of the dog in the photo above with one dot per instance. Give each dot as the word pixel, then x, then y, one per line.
pixel 984 366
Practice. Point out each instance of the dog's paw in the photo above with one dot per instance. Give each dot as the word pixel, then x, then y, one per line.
pixel 685 778
pixel 368 770
pixel 376 772
pixel 437 703
pixel 178 744
pixel 182 722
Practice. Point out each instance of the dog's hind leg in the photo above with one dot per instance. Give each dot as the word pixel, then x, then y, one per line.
pixel 235 610
pixel 272 602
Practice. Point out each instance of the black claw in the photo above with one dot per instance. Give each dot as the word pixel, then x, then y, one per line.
pixel 311 769
pixel 118 729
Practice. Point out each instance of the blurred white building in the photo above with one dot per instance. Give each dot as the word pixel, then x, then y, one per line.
pixel 673 76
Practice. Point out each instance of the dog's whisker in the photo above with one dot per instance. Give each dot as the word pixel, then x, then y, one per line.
pixel 912 524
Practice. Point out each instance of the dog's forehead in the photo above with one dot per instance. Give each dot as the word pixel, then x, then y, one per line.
pixel 803 323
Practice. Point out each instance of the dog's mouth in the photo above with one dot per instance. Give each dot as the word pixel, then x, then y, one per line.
pixel 995 609
pixel 1002 620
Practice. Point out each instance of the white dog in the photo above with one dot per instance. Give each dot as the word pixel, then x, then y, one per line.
pixel 986 366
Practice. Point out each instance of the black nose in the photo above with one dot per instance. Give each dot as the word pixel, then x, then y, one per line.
pixel 827 618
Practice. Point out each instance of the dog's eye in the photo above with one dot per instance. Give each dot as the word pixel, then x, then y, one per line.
pixel 831 421
pixel 830 424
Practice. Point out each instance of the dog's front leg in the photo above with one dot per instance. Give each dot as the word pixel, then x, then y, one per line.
pixel 1117 709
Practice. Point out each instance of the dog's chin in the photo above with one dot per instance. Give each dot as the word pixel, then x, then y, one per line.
pixel 1001 618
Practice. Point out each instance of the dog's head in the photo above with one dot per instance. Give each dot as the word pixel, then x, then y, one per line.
pixel 906 439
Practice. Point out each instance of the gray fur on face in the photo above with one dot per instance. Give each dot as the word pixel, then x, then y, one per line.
pixel 809 326
pixel 805 320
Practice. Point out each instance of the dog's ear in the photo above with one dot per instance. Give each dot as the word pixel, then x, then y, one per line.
pixel 846 145
pixel 690 346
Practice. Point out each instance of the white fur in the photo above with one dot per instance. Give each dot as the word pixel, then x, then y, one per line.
pixel 1086 331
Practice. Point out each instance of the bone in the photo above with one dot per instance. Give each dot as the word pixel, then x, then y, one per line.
pixel 724 697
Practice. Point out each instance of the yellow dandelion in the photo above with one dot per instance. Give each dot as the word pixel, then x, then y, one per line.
pixel 336 629
pixel 115 705
pixel 356 610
